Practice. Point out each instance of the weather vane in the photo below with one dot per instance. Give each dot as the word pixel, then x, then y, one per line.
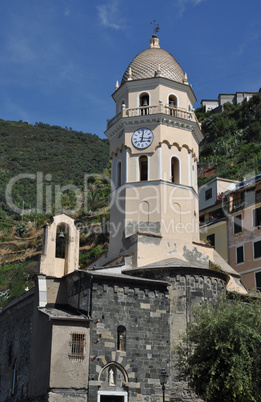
pixel 156 27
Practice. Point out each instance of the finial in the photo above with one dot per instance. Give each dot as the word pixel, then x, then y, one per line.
pixel 117 85
pixel 185 79
pixel 154 42
pixel 130 74
pixel 156 28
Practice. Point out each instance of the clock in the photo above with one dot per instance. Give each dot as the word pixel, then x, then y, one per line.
pixel 142 138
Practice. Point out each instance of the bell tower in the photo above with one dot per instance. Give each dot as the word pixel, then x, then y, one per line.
pixel 154 139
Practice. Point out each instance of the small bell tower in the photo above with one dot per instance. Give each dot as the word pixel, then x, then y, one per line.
pixel 60 254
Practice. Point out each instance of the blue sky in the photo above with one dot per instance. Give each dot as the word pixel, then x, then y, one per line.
pixel 60 59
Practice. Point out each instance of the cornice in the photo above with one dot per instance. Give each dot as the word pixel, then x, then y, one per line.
pixel 153 183
pixel 158 118
pixel 143 83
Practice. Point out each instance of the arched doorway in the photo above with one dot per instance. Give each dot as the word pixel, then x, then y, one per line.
pixel 113 378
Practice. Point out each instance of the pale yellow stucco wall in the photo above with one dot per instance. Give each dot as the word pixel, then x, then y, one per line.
pixel 66 372
pixel 220 232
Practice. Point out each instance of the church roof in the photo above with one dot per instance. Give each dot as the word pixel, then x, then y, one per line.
pixel 152 62
pixel 174 262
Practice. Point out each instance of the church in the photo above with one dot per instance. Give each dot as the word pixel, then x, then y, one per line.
pixel 104 333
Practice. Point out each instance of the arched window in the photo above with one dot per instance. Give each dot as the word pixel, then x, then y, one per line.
pixel 173 103
pixel 118 174
pixel 177 210
pixel 144 211
pixel 61 241
pixel 143 168
pixel 144 103
pixel 175 170
pixel 121 338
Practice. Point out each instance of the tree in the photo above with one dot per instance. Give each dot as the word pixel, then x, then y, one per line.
pixel 220 354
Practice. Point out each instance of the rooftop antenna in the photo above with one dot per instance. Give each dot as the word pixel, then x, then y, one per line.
pixel 156 27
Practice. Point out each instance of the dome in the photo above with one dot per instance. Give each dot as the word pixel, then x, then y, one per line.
pixel 154 61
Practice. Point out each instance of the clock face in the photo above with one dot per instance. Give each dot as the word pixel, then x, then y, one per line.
pixel 142 138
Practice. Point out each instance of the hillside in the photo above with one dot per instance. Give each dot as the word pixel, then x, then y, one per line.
pixel 61 157
pixel 232 144
pixel 64 155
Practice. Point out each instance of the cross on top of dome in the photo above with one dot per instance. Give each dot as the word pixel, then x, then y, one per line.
pixel 156 27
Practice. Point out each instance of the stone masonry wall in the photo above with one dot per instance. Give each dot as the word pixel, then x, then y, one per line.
pixel 188 287
pixel 186 291
pixel 15 346
pixel 142 308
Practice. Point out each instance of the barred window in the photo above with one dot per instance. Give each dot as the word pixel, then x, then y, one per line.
pixel 77 344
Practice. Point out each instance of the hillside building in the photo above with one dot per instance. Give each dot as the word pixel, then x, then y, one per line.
pixel 217 104
pixel 243 206
pixel 232 223
pixel 103 334
pixel 212 217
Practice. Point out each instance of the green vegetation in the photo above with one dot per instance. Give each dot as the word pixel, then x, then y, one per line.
pixel 220 354
pixel 72 171
pixel 232 144
pixel 48 153
pixel 86 258
pixel 21 229
pixel 15 279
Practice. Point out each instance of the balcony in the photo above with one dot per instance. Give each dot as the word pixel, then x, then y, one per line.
pixel 214 217
pixel 152 110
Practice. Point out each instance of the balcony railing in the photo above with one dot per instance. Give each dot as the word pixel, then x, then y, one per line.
pixel 217 216
pixel 150 110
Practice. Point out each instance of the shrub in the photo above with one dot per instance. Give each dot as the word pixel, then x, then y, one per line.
pixel 21 229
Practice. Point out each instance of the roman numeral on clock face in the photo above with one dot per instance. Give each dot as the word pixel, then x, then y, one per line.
pixel 142 138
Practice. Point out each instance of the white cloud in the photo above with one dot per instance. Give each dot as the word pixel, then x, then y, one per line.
pixel 250 37
pixel 67 12
pixel 109 16
pixel 183 4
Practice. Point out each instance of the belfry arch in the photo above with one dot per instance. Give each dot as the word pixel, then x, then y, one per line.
pixel 173 100
pixel 144 102
pixel 60 247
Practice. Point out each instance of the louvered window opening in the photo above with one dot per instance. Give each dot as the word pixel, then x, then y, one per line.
pixel 77 345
